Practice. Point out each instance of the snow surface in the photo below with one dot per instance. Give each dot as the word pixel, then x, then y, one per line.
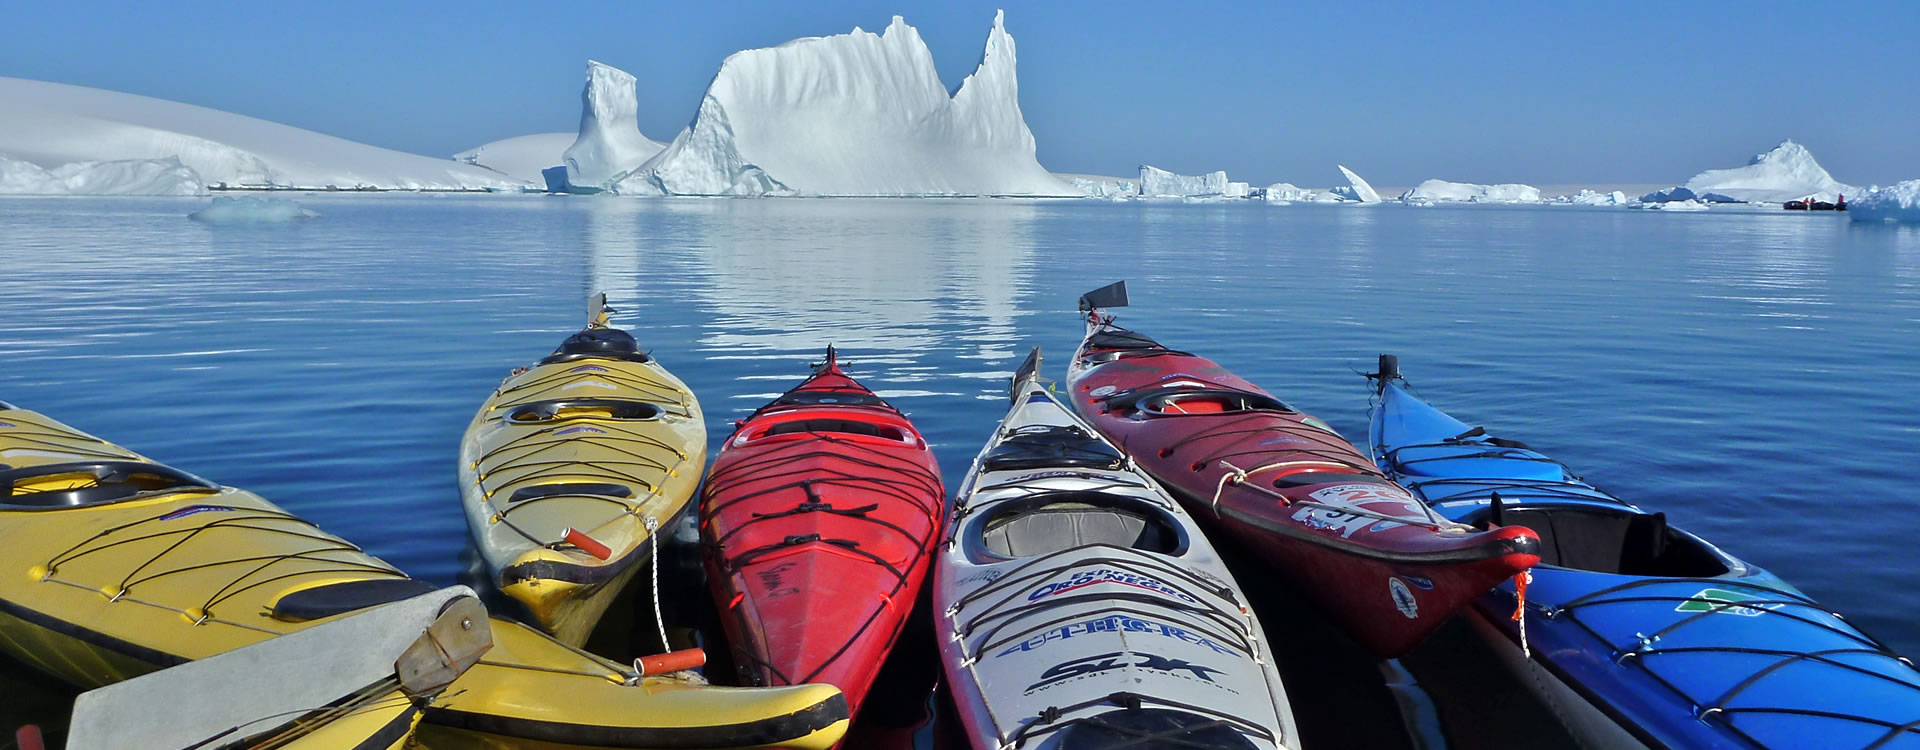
pixel 1159 183
pixel 610 143
pixel 1788 172
pixel 119 177
pixel 251 209
pixel 520 157
pixel 1442 190
pixel 1900 202
pixel 854 114
pixel 51 124
pixel 1591 198
pixel 1680 205
pixel 1358 188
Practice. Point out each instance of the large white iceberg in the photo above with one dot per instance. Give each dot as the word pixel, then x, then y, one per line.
pixel 51 124
pixel 854 114
pixel 1159 183
pixel 1788 172
pixel 119 177
pixel 1442 190
pixel 1900 202
pixel 1357 189
pixel 610 143
pixel 521 157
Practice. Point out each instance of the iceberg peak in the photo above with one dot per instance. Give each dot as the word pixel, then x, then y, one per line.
pixel 610 142
pixel 1786 172
pixel 1358 188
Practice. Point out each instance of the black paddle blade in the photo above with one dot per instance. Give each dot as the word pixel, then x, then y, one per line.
pixel 1027 370
pixel 1111 295
pixel 1389 371
pixel 828 363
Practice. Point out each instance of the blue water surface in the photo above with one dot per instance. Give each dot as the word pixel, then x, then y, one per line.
pixel 1752 374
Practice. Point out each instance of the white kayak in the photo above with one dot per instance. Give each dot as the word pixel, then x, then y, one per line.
pixel 1079 607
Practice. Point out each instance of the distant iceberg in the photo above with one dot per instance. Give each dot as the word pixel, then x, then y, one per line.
pixel 1102 187
pixel 1284 192
pixel 1900 202
pixel 520 157
pixel 1592 198
pixel 1159 183
pixel 1444 191
pixel 1669 194
pixel 1679 205
pixel 1788 172
pixel 53 124
pixel 119 177
pixel 854 114
pixel 1357 189
pixel 609 144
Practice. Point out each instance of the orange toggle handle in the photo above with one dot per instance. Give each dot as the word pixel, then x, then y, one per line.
pixel 587 544
pixel 28 738
pixel 673 661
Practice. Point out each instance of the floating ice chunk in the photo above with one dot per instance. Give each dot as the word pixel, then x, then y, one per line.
pixel 1357 188
pixel 1159 183
pixel 1281 193
pixel 1592 198
pixel 1683 205
pixel 1900 202
pixel 118 177
pixel 249 209
pixel 1788 172
pixel 1442 190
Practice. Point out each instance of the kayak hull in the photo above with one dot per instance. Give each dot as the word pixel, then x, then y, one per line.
pixel 819 517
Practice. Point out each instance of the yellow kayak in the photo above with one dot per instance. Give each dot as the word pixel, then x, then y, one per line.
pixel 112 566
pixel 570 469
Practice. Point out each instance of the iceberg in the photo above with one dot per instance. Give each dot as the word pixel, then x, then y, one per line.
pixel 1357 189
pixel 118 177
pixel 1669 194
pixel 52 124
pixel 250 209
pixel 1159 183
pixel 1442 190
pixel 610 143
pixel 850 115
pixel 1592 198
pixel 520 157
pixel 1679 205
pixel 1237 190
pixel 1282 193
pixel 1788 172
pixel 1900 202
pixel 1102 187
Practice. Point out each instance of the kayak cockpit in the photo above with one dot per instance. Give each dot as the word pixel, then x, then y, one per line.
pixel 1049 446
pixel 83 483
pixel 1051 522
pixel 1170 401
pixel 1621 541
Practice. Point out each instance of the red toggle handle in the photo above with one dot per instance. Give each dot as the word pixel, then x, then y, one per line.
pixel 28 738
pixel 587 544
pixel 673 661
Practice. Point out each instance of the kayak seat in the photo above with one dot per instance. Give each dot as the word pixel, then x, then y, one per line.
pixel 1182 401
pixel 1056 521
pixel 1625 542
pixel 845 426
pixel 1151 729
pixel 341 598
pixel 603 343
pixel 1055 446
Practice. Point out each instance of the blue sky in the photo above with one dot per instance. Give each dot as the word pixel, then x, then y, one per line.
pixel 1544 93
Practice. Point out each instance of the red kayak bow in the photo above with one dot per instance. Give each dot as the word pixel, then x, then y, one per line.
pixel 819 517
pixel 1286 487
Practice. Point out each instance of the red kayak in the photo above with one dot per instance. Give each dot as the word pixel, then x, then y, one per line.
pixel 1285 486
pixel 819 518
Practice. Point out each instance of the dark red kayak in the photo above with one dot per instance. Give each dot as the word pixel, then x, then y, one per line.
pixel 1285 486
pixel 819 517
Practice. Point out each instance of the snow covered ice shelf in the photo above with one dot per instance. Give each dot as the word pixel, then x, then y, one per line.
pixel 1900 202
pixel 120 177
pixel 54 124
pixel 854 114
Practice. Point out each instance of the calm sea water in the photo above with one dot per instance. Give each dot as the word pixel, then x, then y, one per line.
pixel 1749 373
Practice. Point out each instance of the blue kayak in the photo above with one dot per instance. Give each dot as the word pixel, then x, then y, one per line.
pixel 1641 634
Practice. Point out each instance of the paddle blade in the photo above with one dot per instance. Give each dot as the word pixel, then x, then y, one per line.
pixel 828 364
pixel 1111 295
pixel 1389 371
pixel 597 311
pixel 1028 370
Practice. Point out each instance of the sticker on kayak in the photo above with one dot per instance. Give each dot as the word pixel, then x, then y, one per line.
pixel 1373 498
pixel 1103 391
pixel 589 368
pixel 1087 666
pixel 1315 422
pixel 1125 624
pixel 582 428
pixel 1086 578
pixel 193 509
pixel 1403 598
pixel 1725 602
pixel 590 384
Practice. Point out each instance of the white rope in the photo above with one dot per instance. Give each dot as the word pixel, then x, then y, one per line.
pixel 653 528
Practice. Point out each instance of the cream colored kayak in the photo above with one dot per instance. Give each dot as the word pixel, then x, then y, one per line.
pixel 572 466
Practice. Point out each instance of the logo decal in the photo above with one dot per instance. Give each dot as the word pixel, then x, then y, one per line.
pixel 582 428
pixel 1422 583
pixel 193 509
pixel 1114 624
pixel 1103 391
pixel 1373 498
pixel 589 368
pixel 1086 578
pixel 1402 597
pixel 1091 665
pixel 1725 602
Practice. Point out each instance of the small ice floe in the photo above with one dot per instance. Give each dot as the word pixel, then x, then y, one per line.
pixel 251 210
